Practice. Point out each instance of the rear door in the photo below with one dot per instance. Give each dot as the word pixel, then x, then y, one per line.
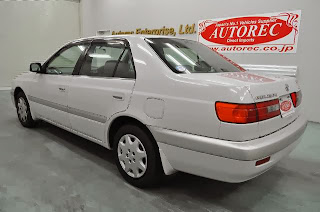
pixel 102 87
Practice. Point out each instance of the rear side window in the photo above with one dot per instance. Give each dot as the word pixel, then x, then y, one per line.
pixel 186 56
pixel 108 59
pixel 125 68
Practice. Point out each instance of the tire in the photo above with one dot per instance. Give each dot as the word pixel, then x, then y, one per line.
pixel 23 111
pixel 136 150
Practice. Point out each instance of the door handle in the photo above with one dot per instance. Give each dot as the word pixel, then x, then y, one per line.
pixel 118 96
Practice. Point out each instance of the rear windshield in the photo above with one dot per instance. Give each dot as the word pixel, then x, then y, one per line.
pixel 186 56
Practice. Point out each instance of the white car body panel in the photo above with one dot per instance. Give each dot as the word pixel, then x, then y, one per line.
pixel 46 90
pixel 94 100
pixel 169 104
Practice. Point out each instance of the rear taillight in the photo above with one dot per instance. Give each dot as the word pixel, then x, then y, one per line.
pixel 247 113
pixel 269 109
pixel 296 98
pixel 236 113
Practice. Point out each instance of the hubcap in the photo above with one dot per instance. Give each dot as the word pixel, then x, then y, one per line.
pixel 22 109
pixel 132 156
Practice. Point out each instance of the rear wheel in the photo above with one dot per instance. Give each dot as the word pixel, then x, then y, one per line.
pixel 137 156
pixel 23 111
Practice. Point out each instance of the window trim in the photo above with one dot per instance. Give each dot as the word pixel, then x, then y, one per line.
pixel 106 40
pixel 62 49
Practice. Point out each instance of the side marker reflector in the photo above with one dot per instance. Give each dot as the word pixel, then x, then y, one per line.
pixel 262 161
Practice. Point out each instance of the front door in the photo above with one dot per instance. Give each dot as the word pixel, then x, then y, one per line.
pixel 102 88
pixel 49 92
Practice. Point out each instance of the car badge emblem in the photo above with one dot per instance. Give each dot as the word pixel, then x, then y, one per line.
pixel 287 87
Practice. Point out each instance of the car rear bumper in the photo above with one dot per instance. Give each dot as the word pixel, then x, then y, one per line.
pixel 225 160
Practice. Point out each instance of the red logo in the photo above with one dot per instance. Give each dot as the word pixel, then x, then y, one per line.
pixel 285 106
pixel 246 30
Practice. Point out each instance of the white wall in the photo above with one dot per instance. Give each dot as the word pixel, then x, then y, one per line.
pixel 32 31
pixel 131 14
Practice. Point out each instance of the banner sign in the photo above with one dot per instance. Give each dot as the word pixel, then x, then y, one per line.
pixel 264 33
pixel 168 31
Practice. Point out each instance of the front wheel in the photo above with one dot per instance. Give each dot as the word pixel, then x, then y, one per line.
pixel 23 111
pixel 137 156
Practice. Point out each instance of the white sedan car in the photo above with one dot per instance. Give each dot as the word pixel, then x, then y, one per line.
pixel 164 105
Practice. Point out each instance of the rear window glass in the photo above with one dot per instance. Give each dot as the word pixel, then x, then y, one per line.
pixel 186 56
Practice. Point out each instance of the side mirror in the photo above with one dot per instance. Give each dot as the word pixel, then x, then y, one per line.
pixel 35 67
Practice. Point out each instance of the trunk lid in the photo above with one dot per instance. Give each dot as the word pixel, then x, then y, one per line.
pixel 264 88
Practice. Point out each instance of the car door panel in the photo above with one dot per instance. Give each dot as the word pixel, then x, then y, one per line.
pixel 94 95
pixel 50 97
pixel 91 103
pixel 49 91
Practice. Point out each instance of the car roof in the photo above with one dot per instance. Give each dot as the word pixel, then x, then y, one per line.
pixel 128 37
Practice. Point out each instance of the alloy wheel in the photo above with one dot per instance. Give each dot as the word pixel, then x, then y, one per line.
pixel 132 156
pixel 22 109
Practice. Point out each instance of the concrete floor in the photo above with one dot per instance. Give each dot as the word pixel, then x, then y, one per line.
pixel 49 169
